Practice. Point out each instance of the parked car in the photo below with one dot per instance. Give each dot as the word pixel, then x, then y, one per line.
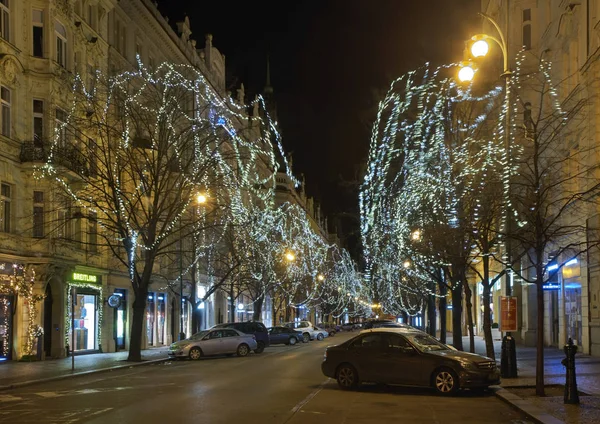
pixel 383 323
pixel 285 335
pixel 216 341
pixel 309 331
pixel 258 329
pixel 330 327
pixel 405 357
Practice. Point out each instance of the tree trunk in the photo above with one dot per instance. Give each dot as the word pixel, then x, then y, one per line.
pixel 231 308
pixel 195 317
pixel 431 321
pixel 469 304
pixel 457 315
pixel 539 364
pixel 257 311
pixel 443 306
pixel 137 323
pixel 487 312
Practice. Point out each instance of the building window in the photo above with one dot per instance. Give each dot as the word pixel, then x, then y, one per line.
pixel 76 221
pixel 38 33
pixel 38 122
pixel 93 231
pixel 527 29
pixel 5 100
pixel 61 127
pixel 91 79
pixel 5 19
pixel 5 196
pixel 64 223
pixel 61 44
pixel 38 214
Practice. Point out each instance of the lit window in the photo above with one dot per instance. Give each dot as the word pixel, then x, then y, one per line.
pixel 61 44
pixel 5 19
pixel 38 33
pixel 5 100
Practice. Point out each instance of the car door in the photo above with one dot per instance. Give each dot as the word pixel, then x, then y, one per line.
pixel 230 341
pixel 276 335
pixel 211 344
pixel 402 361
pixel 365 354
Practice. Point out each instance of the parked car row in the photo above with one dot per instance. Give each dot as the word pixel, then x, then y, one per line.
pixel 241 338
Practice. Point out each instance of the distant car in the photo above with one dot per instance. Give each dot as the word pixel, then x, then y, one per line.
pixel 331 328
pixel 219 341
pixel 348 326
pixel 309 331
pixel 285 335
pixel 405 357
pixel 251 327
pixel 385 323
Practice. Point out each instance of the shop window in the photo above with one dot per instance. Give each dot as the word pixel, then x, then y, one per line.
pixel 150 318
pixel 5 19
pixel 85 321
pixel 38 33
pixel 61 44
pixel 38 214
pixel 5 99
pixel 5 196
pixel 38 122
pixel 76 224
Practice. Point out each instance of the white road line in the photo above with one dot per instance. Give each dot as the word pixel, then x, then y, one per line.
pixel 309 397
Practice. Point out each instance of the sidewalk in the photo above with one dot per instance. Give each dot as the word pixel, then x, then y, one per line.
pixel 18 374
pixel 551 409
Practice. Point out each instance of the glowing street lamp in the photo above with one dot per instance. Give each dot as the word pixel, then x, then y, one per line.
pixel 466 73
pixel 480 47
pixel 201 198
pixel 321 277
pixel 290 257
pixel 406 264
pixel 415 235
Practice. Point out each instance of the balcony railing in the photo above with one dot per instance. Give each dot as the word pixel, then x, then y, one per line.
pixel 67 156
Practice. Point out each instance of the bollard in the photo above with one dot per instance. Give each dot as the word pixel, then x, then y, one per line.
pixel 571 393
pixel 508 358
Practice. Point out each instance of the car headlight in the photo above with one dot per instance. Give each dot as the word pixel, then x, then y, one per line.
pixel 466 365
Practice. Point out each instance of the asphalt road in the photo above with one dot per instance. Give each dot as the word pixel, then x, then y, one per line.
pixel 282 385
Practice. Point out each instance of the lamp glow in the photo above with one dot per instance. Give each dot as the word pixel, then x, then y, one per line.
pixel 466 74
pixel 320 277
pixel 480 48
pixel 201 198
pixel 290 256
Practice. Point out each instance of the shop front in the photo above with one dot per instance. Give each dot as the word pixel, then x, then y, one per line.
pixel 156 316
pixel 84 313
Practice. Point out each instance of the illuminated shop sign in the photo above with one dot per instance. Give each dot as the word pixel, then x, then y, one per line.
pixel 550 285
pixel 85 278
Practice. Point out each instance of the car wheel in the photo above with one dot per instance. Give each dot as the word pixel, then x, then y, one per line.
pixel 293 341
pixel 243 350
pixel 195 353
pixel 260 347
pixel 445 381
pixel 305 338
pixel 320 336
pixel 347 377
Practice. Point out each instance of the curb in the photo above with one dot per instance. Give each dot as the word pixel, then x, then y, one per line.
pixel 80 374
pixel 538 415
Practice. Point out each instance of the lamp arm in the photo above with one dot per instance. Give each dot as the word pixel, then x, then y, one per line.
pixel 501 42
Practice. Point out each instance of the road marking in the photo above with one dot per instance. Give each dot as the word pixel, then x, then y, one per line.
pixel 309 397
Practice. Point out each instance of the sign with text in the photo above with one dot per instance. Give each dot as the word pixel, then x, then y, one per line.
pixel 508 313
pixel 85 278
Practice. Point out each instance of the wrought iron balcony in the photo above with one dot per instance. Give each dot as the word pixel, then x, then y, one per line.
pixel 68 156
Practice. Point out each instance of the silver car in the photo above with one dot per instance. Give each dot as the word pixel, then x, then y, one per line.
pixel 218 341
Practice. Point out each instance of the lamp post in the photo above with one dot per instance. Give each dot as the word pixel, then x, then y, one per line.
pixel 201 199
pixel 480 48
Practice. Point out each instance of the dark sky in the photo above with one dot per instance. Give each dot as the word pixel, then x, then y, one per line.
pixel 331 62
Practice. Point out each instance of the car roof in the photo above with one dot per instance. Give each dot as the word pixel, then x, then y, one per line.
pixel 401 330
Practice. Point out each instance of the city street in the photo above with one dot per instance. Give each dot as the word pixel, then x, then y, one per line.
pixel 282 385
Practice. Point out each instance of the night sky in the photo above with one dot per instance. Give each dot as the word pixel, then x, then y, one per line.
pixel 331 63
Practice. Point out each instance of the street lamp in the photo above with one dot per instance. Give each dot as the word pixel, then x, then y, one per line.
pixel 289 256
pixel 321 277
pixel 480 48
pixel 466 73
pixel 406 264
pixel 201 198
pixel 415 235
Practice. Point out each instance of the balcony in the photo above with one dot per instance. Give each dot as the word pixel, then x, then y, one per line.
pixel 68 156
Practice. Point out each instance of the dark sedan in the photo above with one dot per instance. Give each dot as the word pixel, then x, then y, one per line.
pixel 285 335
pixel 408 358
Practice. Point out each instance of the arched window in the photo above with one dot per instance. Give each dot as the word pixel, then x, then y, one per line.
pixel 61 44
pixel 526 29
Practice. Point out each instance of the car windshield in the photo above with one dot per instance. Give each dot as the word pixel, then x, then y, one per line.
pixel 199 336
pixel 424 342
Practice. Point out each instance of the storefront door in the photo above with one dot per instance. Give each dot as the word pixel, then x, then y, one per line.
pixel 86 320
pixel 120 319
pixel 150 318
pixel 573 314
pixel 5 327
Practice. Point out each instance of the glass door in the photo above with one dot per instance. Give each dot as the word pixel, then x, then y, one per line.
pixel 150 318
pixel 86 322
pixel 120 319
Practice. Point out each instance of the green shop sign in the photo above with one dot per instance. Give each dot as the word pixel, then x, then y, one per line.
pixel 85 278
